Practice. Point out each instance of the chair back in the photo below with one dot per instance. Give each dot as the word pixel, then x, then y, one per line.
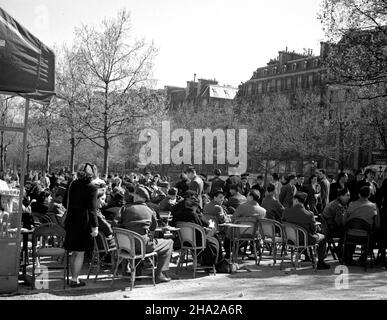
pixel 295 235
pixel 41 218
pixel 164 214
pixel 188 235
pixel 101 242
pixel 269 229
pixel 47 231
pixel 247 233
pixel 357 229
pixel 126 241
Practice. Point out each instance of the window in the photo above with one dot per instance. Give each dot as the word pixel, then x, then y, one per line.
pixel 274 70
pixel 315 63
pixel 288 83
pixel 299 81
pixel 310 80
pixel 305 64
pixel 284 68
pixel 265 72
pixel 294 66
pixel 259 87
pixel 278 85
pixel 249 88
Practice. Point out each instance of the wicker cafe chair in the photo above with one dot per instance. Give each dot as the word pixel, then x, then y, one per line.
pixel 100 251
pixel 242 235
pixel 127 242
pixel 40 218
pixel 271 234
pixel 296 238
pixel 358 232
pixel 331 241
pixel 51 238
pixel 187 236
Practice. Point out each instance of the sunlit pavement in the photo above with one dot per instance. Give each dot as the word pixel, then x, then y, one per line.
pixel 250 282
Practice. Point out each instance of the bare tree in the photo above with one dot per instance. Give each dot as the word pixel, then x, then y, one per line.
pixel 113 65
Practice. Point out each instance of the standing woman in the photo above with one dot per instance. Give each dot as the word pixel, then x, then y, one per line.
pixel 81 222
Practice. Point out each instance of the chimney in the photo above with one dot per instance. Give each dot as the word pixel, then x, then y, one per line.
pixel 194 77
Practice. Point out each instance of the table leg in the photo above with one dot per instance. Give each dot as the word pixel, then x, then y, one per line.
pixel 25 253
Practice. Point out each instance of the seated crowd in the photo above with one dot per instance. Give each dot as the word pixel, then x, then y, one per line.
pixel 135 202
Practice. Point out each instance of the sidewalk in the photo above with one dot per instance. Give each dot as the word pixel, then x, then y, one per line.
pixel 250 282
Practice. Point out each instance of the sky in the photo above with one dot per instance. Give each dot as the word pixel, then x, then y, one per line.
pixel 224 40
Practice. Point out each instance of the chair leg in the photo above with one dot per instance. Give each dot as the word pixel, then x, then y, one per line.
pixel 98 267
pixel 153 271
pixel 274 253
pixel 33 273
pixel 91 265
pixel 291 258
pixel 68 267
pixel 259 253
pixel 195 261
pixel 284 249
pixel 313 254
pixel 119 260
pixel 132 263
pixel 180 261
pixel 254 246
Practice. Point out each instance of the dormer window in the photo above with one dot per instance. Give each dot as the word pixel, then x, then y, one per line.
pixel 265 72
pixel 294 66
pixel 305 64
pixel 274 70
pixel 315 62
pixel 284 68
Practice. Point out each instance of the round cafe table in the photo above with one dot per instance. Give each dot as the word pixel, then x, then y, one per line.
pixel 233 227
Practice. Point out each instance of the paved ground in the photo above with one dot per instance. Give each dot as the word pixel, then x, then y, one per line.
pixel 250 282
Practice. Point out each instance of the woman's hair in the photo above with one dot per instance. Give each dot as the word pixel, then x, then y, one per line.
pixel 87 171
pixel 43 195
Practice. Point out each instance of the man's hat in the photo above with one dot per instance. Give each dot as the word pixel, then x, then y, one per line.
pixel 164 184
pixel 217 191
pixel 143 193
pixel 301 196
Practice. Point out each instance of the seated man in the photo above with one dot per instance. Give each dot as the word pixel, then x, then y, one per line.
pixel 188 211
pixel 274 209
pixel 251 208
pixel 169 201
pixel 139 218
pixel 214 210
pixel 235 199
pixel 364 213
pixel 333 216
pixel 300 216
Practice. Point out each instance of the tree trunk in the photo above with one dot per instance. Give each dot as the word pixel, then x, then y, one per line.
pixel 266 171
pixel 5 156
pixel 106 157
pixel 106 130
pixel 72 150
pixel 2 151
pixel 28 162
pixel 48 146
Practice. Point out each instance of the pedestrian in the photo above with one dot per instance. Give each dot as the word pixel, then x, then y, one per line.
pixel 81 222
